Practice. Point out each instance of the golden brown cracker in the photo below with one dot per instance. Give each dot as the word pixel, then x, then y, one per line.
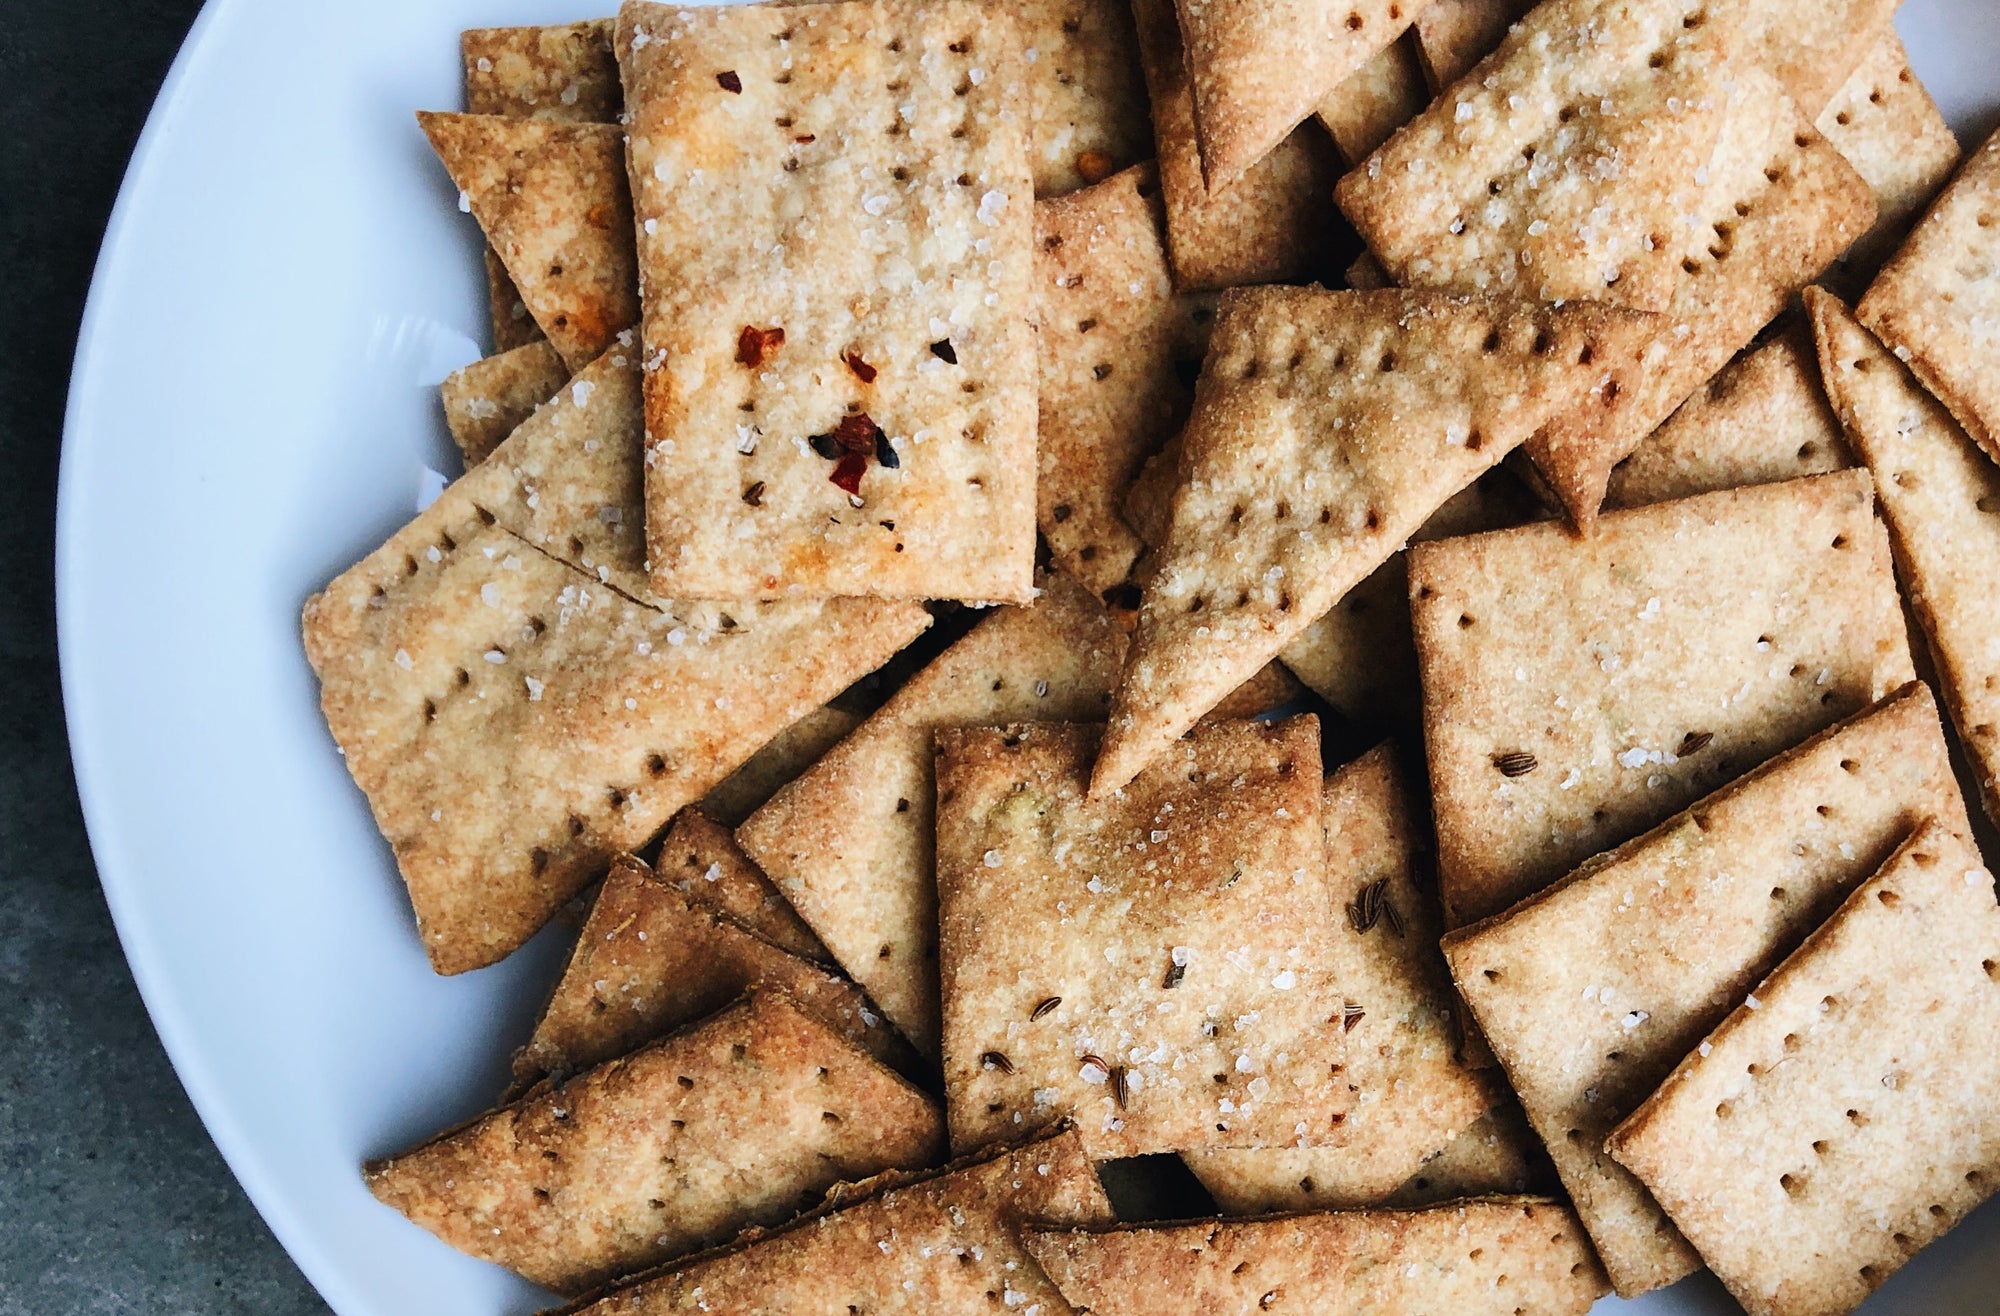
pixel 1811 46
pixel 486 401
pixel 1885 124
pixel 1086 94
pixel 1497 1154
pixel 779 763
pixel 565 72
pixel 699 856
pixel 1377 98
pixel 1453 35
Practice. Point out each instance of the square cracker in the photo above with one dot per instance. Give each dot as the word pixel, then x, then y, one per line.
pixel 700 857
pixel 856 177
pixel 1453 35
pixel 1119 353
pixel 1376 99
pixel 1938 492
pixel 788 756
pixel 939 1243
pixel 1936 303
pixel 1578 691
pixel 1591 991
pixel 564 72
pixel 1275 225
pixel 1328 426
pixel 1763 418
pixel 1497 1257
pixel 1885 124
pixel 486 401
pixel 678 1146
pixel 1841 1118
pixel 1409 1094
pixel 1155 964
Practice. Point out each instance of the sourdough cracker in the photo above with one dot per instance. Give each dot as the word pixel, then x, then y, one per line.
pixel 676 1147
pixel 699 856
pixel 1885 124
pixel 835 279
pixel 1591 991
pixel 1453 35
pixel 1377 98
pixel 1846 1106
pixel 486 401
pixel 1365 411
pixel 1156 964
pixel 1496 1155
pixel 782 761
pixel 564 72
pixel 1577 691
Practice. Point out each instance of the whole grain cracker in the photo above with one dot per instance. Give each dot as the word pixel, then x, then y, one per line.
pixel 784 760
pixel 1369 104
pixel 1497 1154
pixel 700 857
pixel 1327 427
pixel 565 73
pixel 1811 46
pixel 1453 35
pixel 1576 692
pixel 1841 1118
pixel 1591 991
pixel 486 401
pixel 678 1146
pixel 835 235
pixel 1885 124
pixel 1155 964
pixel 1086 94
pixel 511 325
pixel 551 198
pixel 1937 300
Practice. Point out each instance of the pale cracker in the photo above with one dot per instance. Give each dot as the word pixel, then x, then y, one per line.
pixel 1811 46
pixel 1578 691
pixel 1841 1118
pixel 486 401
pixel 855 176
pixel 1885 124
pixel 1590 992
pixel 1327 427
pixel 1372 102
pixel 1086 94
pixel 699 856
pixel 1453 35
pixel 1497 1154
pixel 784 760
pixel 1149 503
pixel 564 72
pixel 731 1123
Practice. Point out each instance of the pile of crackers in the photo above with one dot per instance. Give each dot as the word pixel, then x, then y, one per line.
pixel 1240 655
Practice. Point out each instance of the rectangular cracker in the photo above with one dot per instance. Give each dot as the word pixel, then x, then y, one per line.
pixel 1156 964
pixel 1410 1097
pixel 1936 303
pixel 1591 991
pixel 1578 691
pixel 1497 1154
pixel 1327 427
pixel 1497 1257
pixel 676 1147
pixel 782 185
pixel 1885 124
pixel 1938 491
pixel 1119 354
pixel 1276 225
pixel 487 400
pixel 784 760
pixel 941 1243
pixel 1763 418
pixel 1377 98
pixel 1846 1107
pixel 1453 35
pixel 564 72
pixel 700 857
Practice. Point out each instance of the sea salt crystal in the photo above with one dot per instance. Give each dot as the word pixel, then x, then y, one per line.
pixel 580 392
pixel 992 858
pixel 535 689
pixel 403 656
pixel 991 205
pixel 494 656
pixel 1285 981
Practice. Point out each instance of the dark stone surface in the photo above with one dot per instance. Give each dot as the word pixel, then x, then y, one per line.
pixel 112 1198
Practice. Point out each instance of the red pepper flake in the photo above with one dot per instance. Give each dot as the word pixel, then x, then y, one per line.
pixel 847 472
pixel 853 441
pixel 730 82
pixel 862 370
pixel 1095 166
pixel 754 344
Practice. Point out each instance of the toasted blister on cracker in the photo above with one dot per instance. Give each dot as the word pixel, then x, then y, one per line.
pixel 552 199
pixel 737 1121
pixel 784 760
pixel 1936 303
pixel 836 230
pixel 1497 1154
pixel 1938 491
pixel 1327 427
pixel 1579 691
pixel 914 1245
pixel 700 856
pixel 1811 48
pixel 1409 1094
pixel 1453 35
pixel 564 72
pixel 1762 419
pixel 1276 223
pixel 1591 991
pixel 486 401
pixel 1841 1118
pixel 1156 964
pixel 1377 98
pixel 1119 354
pixel 1086 93
pixel 1499 1256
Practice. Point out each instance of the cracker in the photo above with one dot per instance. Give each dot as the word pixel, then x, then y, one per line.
pixel 1086 94
pixel 1327 427
pixel 782 185
pixel 1275 225
pixel 565 73
pixel 1936 301
pixel 1841 1118
pixel 1496 1154
pixel 487 400
pixel 1367 275
pixel 1502 1256
pixel 782 761
pixel 675 1147
pixel 1811 46
pixel 1762 419
pixel 1156 964
pixel 1149 503
pixel 1119 353
pixel 1383 94
pixel 1569 169
pixel 1937 491
pixel 700 857
pixel 1453 35
pixel 1885 124
pixel 1270 687
pixel 512 326
pixel 551 198
pixel 941 1243
pixel 1590 992
pixel 1410 1097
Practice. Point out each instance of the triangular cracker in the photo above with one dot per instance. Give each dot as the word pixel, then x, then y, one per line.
pixel 1372 102
pixel 1841 1118
pixel 487 400
pixel 700 857
pixel 1576 692
pixel 552 200
pixel 1410 1096
pixel 1327 427
pixel 779 763
pixel 1119 352
pixel 1156 964
pixel 1591 991
pixel 1497 1257
pixel 1497 1154
pixel 512 326
pixel 564 72
pixel 1811 46
pixel 1453 35
pixel 1086 93
pixel 733 1122
pixel 836 232
pixel 1885 124
pixel 1936 303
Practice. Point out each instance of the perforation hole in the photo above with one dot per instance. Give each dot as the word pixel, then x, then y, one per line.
pixel 1792 1184
pixel 1849 766
pixel 1777 893
pixel 1355 22
pixel 1465 622
pixel 1889 899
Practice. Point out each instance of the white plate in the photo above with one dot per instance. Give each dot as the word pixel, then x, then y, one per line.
pixel 285 281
